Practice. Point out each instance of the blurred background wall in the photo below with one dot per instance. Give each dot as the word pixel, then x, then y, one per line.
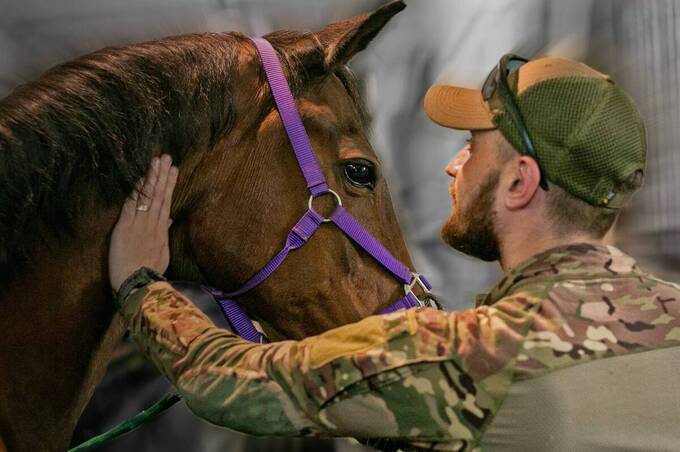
pixel 432 41
pixel 638 44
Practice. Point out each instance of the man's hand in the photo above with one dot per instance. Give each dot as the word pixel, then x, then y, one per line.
pixel 140 238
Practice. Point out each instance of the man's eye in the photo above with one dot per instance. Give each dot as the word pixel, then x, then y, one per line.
pixel 360 174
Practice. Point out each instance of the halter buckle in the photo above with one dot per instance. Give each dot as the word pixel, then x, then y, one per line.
pixel 338 202
pixel 408 289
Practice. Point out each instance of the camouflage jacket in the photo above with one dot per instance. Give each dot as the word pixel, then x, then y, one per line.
pixel 420 378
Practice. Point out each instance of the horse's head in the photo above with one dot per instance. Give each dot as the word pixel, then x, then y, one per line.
pixel 237 201
pixel 74 143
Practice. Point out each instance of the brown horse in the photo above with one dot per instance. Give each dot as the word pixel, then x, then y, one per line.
pixel 74 142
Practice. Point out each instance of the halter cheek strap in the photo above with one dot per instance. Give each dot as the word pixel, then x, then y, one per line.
pixel 311 220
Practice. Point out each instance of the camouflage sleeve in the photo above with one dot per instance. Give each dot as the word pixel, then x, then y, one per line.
pixel 422 377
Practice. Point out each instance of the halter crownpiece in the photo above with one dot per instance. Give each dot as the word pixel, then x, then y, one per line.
pixel 311 220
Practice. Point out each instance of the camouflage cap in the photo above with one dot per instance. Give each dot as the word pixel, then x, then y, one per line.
pixel 588 133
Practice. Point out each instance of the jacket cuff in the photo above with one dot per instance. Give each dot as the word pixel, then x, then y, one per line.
pixel 140 278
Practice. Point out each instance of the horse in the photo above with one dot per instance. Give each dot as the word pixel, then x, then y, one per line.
pixel 73 145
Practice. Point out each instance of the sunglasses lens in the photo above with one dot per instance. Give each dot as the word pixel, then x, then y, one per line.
pixel 513 65
pixel 509 65
pixel 489 84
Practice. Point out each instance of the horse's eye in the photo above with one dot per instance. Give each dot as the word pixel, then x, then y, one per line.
pixel 360 174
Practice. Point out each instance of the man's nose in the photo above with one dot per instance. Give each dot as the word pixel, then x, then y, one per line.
pixel 458 161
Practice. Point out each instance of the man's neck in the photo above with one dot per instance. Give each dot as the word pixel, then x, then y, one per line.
pixel 517 249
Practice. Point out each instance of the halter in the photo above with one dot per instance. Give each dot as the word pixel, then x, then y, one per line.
pixel 310 222
pixel 300 234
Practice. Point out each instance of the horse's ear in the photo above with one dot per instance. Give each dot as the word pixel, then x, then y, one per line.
pixel 342 40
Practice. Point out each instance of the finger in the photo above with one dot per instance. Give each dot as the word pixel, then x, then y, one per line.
pixel 164 215
pixel 144 198
pixel 138 188
pixel 159 189
pixel 129 206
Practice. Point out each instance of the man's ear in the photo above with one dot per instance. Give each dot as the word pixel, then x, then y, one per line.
pixel 524 183
pixel 342 40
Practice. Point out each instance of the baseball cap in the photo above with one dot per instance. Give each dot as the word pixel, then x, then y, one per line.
pixel 587 133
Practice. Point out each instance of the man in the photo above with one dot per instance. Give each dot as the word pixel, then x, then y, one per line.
pixel 575 349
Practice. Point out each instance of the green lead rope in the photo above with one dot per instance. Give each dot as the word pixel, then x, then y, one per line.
pixel 131 424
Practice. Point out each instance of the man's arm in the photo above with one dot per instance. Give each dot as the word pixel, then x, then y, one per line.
pixel 419 376
pixel 424 378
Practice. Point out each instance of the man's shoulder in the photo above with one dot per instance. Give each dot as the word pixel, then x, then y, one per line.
pixel 595 314
pixel 586 272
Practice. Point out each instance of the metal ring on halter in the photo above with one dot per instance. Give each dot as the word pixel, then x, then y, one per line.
pixel 337 199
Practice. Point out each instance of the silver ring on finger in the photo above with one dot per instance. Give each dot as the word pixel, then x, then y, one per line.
pixel 142 208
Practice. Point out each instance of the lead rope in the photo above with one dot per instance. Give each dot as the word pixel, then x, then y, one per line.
pixel 131 424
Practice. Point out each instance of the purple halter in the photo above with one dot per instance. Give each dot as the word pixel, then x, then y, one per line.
pixel 311 220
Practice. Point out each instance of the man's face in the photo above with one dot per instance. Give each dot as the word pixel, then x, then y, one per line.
pixel 475 171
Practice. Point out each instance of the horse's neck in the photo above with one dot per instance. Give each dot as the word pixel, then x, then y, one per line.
pixel 58 333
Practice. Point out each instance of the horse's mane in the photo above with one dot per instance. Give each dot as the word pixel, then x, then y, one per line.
pixel 85 130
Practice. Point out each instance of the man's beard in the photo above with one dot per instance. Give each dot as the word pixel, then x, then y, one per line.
pixel 472 231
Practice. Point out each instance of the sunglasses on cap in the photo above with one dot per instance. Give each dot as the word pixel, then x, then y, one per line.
pixel 497 82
